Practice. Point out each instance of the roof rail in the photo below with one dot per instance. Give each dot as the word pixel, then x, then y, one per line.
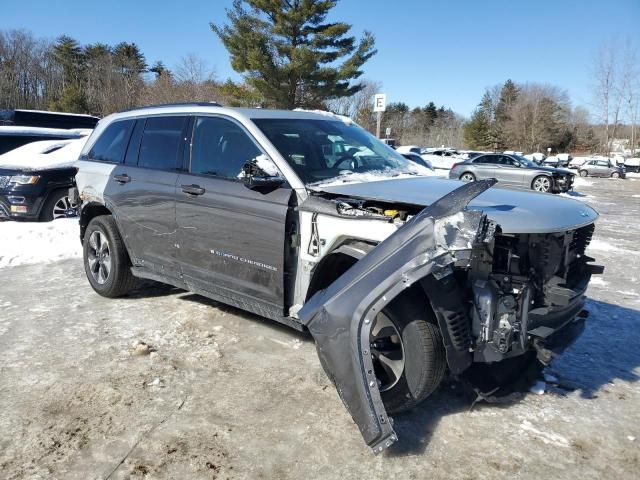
pixel 177 104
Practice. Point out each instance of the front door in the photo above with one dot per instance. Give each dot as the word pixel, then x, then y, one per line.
pixel 231 238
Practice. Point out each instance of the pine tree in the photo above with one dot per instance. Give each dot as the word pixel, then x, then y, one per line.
pixel 291 54
pixel 478 132
pixel 159 68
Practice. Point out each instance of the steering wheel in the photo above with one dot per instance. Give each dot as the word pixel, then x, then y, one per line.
pixel 347 157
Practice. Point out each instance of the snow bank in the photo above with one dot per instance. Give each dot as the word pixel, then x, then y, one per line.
pixel 324 113
pixel 24 243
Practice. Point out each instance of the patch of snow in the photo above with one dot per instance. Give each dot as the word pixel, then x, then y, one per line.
pixel 28 242
pixel 598 281
pixel 538 388
pixel 43 131
pixel 602 246
pixel 546 437
pixel 581 182
pixel 342 118
pixel 635 196
pixel 374 176
pixel 265 164
pixel 44 154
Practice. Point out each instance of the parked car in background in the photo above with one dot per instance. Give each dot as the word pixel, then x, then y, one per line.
pixel 575 162
pixel 35 180
pixel 601 168
pixel 513 171
pixel 536 157
pixel 402 149
pixel 563 159
pixel 632 165
pixel 443 158
pixel 19 127
pixel 366 252
pixel 415 158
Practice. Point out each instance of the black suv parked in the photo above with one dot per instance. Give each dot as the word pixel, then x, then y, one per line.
pixel 307 219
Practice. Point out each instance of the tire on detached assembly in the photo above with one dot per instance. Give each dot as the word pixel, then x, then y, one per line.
pixel 106 261
pixel 406 329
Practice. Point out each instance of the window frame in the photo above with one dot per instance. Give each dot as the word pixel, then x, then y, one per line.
pixel 189 147
pixel 89 157
pixel 179 154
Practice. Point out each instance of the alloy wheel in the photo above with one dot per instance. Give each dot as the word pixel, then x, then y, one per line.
pixel 99 257
pixel 387 352
pixel 64 208
pixel 467 177
pixel 542 184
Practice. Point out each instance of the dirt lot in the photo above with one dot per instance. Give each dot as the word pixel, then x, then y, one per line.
pixel 166 384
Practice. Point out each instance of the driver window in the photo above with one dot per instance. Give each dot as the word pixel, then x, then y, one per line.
pixel 220 148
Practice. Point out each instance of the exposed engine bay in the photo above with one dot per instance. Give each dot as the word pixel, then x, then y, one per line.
pixel 495 295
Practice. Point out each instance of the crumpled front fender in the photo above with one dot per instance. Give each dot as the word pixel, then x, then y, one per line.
pixel 340 317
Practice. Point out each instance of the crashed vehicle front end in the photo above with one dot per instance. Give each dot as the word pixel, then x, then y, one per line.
pixel 495 295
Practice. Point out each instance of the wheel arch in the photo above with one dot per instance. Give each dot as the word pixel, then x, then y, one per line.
pixel 89 212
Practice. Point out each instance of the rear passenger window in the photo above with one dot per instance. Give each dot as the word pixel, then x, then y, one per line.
pixel 220 148
pixel 111 145
pixel 161 143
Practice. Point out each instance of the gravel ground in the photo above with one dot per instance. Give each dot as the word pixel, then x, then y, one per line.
pixel 166 384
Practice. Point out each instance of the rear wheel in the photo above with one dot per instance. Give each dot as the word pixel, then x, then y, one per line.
pixel 408 353
pixel 106 261
pixel 541 183
pixel 615 175
pixel 58 205
pixel 468 177
pixel 583 173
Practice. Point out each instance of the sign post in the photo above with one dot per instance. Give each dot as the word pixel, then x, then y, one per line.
pixel 379 106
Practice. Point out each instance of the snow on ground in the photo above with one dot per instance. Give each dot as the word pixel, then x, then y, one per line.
pixel 581 182
pixel 23 243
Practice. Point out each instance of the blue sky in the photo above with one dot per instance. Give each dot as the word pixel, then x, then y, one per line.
pixel 444 51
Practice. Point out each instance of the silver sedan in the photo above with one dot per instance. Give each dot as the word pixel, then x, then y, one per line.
pixel 513 171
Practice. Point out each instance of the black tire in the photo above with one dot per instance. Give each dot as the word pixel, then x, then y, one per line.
pixel 583 173
pixel 615 175
pixel 467 177
pixel 47 212
pixel 119 280
pixel 425 360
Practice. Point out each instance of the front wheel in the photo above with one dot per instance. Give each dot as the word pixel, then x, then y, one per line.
pixel 58 205
pixel 541 184
pixel 468 177
pixel 408 354
pixel 106 261
pixel 583 173
pixel 615 175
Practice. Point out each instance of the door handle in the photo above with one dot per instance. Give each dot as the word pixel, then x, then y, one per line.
pixel 193 189
pixel 123 178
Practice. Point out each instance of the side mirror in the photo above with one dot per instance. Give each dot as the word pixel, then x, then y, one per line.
pixel 255 178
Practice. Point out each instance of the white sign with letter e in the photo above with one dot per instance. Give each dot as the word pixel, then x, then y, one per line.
pixel 380 102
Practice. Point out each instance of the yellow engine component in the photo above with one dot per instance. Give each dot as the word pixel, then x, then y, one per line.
pixel 391 213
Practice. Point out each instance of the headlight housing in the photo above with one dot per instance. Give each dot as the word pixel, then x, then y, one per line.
pixel 24 179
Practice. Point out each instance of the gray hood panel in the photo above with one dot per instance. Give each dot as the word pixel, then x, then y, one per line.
pixel 514 210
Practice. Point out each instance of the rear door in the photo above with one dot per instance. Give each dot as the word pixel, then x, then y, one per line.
pixel 142 190
pixel 507 171
pixel 232 238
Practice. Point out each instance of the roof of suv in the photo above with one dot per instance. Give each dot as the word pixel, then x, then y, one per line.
pixel 250 113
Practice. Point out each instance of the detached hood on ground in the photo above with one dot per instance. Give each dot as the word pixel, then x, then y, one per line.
pixel 515 211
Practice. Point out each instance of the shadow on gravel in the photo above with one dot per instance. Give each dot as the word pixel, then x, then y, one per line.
pixel 608 350
pixel 250 317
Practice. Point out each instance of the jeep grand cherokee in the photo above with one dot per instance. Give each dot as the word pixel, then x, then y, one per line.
pixel 307 219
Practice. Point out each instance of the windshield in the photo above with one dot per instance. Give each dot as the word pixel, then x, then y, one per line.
pixel 525 161
pixel 322 150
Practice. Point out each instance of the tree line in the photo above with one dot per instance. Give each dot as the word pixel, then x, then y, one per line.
pixel 290 55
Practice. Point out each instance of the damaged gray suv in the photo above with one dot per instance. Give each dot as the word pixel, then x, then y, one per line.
pixel 307 219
